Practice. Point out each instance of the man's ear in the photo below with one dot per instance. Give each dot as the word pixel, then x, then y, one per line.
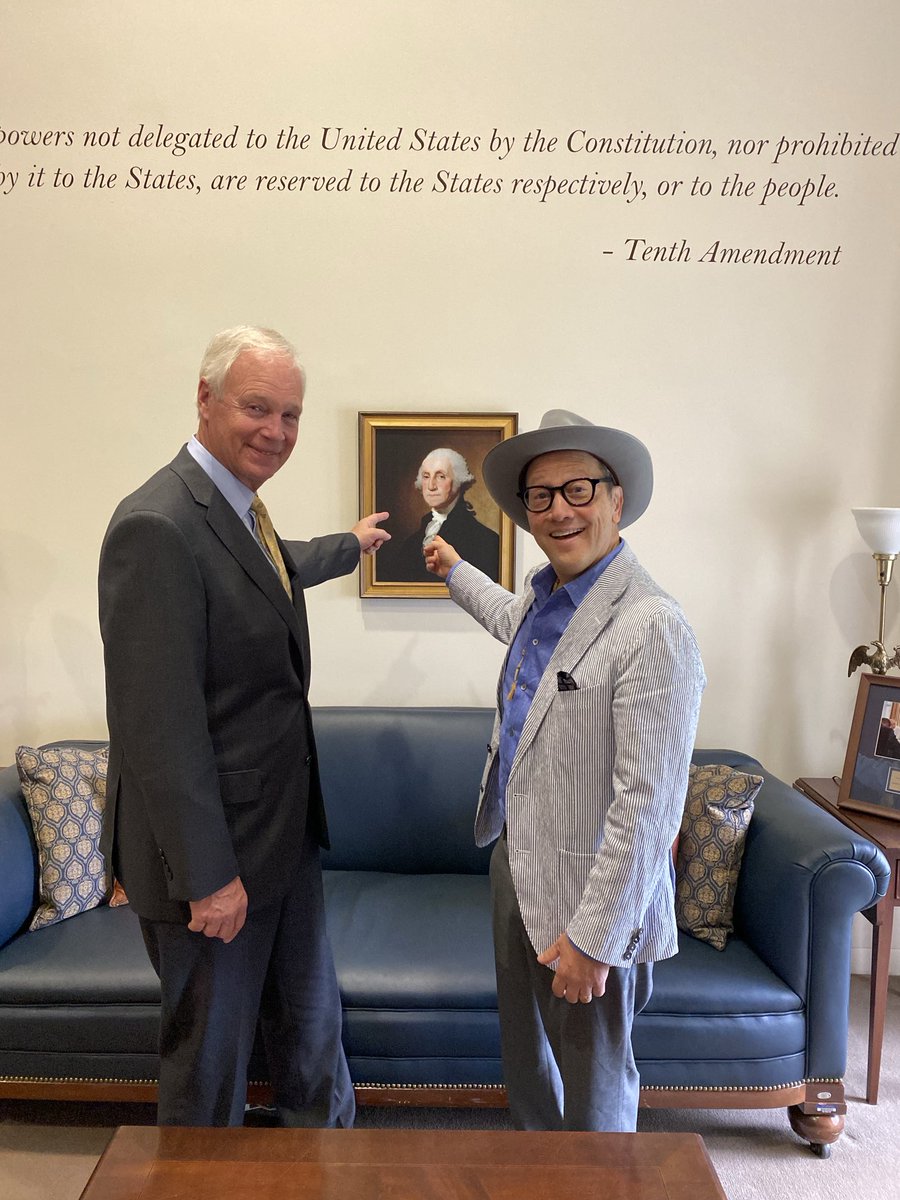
pixel 203 398
pixel 618 501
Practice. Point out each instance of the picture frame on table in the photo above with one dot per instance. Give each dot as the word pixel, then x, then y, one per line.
pixel 870 781
pixel 394 478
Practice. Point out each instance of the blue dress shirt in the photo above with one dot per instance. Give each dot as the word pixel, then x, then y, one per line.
pixel 238 495
pixel 539 634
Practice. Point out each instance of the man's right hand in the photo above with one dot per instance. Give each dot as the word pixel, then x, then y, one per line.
pixel 370 537
pixel 440 557
pixel 222 914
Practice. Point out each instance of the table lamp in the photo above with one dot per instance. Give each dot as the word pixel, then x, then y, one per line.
pixel 880 530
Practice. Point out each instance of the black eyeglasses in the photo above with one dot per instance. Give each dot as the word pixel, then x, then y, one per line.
pixel 577 492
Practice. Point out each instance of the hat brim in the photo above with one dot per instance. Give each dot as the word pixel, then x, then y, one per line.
pixel 624 454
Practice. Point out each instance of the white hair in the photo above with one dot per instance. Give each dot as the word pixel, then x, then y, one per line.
pixel 458 466
pixel 220 355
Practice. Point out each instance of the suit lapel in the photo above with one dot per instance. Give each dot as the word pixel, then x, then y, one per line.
pixel 238 540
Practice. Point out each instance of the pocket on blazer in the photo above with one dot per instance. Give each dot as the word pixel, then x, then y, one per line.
pixel 240 787
pixel 586 694
pixel 572 874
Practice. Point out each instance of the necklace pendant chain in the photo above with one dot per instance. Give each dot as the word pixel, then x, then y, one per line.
pixel 512 687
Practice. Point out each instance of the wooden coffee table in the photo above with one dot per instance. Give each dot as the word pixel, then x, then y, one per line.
pixel 365 1164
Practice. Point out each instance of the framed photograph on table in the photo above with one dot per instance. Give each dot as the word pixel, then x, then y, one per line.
pixel 870 781
pixel 425 470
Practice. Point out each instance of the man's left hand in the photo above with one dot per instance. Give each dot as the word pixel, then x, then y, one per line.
pixel 577 978
pixel 370 537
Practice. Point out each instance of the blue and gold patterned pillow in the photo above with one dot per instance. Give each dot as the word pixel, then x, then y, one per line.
pixel 65 794
pixel 717 812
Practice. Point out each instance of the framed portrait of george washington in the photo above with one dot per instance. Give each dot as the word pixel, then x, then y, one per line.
pixel 870 782
pixel 425 470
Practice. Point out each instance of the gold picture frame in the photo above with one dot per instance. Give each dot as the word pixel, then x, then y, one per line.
pixel 392 449
pixel 870 781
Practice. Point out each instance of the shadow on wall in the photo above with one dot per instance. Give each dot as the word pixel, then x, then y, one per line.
pixel 80 651
pixel 23 599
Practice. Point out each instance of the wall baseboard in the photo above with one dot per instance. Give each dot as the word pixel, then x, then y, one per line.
pixel 861 961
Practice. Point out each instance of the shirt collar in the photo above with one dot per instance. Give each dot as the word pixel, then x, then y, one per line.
pixel 576 589
pixel 238 495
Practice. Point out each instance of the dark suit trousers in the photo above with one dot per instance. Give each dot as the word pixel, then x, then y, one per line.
pixel 566 1066
pixel 279 971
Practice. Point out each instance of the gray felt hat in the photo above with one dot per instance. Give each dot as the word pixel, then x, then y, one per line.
pixel 628 458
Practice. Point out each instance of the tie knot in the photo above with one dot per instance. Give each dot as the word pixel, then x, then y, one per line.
pixel 258 507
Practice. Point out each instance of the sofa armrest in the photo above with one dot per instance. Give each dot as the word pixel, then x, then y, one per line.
pixel 18 851
pixel 803 878
pixel 18 858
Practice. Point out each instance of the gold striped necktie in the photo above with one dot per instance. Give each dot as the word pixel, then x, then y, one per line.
pixel 266 532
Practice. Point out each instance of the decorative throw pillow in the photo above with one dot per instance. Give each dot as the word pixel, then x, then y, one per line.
pixel 717 812
pixel 65 793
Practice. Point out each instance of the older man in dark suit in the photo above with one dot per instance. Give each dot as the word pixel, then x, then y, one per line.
pixel 214 803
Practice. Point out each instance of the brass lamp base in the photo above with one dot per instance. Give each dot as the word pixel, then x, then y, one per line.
pixel 877 660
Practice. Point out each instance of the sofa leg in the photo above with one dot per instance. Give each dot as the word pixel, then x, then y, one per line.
pixel 821 1130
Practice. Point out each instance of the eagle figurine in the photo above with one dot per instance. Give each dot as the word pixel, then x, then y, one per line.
pixel 878 659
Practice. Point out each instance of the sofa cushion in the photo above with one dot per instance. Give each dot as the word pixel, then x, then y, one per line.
pixel 95 958
pixel 65 794
pixel 719 1019
pixel 717 811
pixel 79 999
pixel 411 941
pixel 415 963
pixel 401 787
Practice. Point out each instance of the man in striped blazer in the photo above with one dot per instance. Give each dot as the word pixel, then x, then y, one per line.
pixel 586 773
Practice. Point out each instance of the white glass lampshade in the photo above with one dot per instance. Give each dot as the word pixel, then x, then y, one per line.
pixel 880 528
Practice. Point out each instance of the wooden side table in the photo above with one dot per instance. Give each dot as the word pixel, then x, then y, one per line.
pixel 885 833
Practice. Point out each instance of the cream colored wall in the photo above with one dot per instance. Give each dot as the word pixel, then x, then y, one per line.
pixel 767 394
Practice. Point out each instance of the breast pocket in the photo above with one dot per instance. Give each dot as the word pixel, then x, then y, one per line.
pixel 585 696
pixel 580 743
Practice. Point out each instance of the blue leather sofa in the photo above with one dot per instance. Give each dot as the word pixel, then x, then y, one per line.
pixel 761 1024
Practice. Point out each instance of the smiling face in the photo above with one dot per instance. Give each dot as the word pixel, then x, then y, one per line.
pixel 439 486
pixel 573 539
pixel 252 427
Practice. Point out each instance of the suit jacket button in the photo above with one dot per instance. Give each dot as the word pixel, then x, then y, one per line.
pixel 308 760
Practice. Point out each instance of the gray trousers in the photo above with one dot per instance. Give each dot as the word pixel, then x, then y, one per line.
pixel 278 971
pixel 566 1066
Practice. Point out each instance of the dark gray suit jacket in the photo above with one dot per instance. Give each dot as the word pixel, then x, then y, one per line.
pixel 212 769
